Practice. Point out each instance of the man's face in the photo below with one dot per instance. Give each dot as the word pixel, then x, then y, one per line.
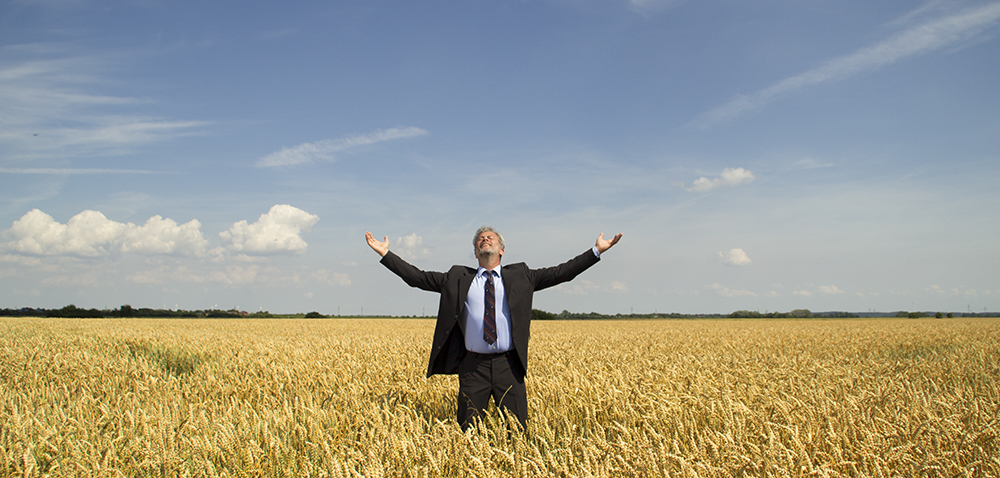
pixel 488 243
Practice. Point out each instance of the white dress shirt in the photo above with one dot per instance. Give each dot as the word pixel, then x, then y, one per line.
pixel 475 309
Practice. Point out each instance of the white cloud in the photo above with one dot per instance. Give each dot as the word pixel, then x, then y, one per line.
pixel 276 231
pixel 803 293
pixel 164 236
pixel 735 257
pixel 411 247
pixel 618 286
pixel 727 292
pixel 729 177
pixel 341 279
pixel 88 234
pixel 326 149
pixel 929 36
pixel 830 289
pixel 91 234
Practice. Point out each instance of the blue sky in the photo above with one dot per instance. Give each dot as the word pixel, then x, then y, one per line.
pixel 829 155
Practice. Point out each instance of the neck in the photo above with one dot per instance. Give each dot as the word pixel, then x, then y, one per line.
pixel 490 261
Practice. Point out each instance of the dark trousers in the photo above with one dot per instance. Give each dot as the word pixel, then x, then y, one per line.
pixel 483 376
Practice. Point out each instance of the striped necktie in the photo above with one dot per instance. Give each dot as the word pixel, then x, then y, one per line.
pixel 490 314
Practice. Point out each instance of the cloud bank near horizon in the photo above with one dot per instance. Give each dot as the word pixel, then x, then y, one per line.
pixel 91 234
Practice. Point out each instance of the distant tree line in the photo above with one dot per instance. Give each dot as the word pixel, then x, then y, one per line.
pixel 567 315
pixel 794 314
pixel 939 315
pixel 126 311
pixel 748 314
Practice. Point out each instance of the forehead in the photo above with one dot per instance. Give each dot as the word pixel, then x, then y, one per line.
pixel 487 234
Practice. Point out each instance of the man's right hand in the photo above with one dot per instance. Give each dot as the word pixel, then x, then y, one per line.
pixel 605 244
pixel 380 247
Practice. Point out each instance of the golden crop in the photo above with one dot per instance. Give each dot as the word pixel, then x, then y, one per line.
pixel 348 397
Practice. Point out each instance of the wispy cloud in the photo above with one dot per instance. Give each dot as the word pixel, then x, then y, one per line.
pixel 61 171
pixel 578 287
pixel 729 177
pixel 328 148
pixel 810 163
pixel 932 35
pixel 957 292
pixel 55 108
pixel 727 292
pixel 280 33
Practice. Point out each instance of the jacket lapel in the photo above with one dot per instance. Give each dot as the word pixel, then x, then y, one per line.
pixel 464 282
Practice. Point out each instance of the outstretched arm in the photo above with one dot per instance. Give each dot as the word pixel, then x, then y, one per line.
pixel 414 277
pixel 602 243
pixel 380 247
pixel 549 276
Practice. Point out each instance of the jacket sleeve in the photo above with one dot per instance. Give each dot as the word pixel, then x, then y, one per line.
pixel 414 277
pixel 549 276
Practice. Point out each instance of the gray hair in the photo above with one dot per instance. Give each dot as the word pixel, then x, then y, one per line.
pixel 485 229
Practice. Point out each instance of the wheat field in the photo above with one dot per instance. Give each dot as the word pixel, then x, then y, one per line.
pixel 348 397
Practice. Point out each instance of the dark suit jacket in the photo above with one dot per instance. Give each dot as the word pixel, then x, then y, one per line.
pixel 519 283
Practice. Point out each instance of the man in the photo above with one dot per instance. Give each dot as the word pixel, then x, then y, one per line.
pixel 484 319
